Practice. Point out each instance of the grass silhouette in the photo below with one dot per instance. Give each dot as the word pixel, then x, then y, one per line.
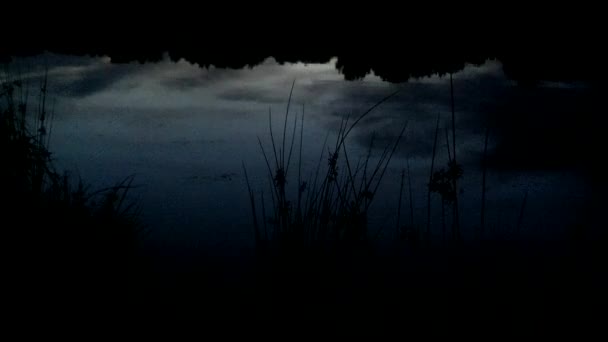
pixel 314 245
pixel 58 231
pixel 327 209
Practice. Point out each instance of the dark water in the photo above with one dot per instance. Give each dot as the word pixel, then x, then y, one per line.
pixel 184 131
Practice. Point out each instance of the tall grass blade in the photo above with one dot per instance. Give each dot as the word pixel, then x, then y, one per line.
pixel 454 180
pixel 398 228
pixel 409 185
pixel 293 138
pixel 274 148
pixel 520 218
pixel 483 183
pixel 428 219
pixel 252 200
pixel 285 125
pixel 301 187
pixel 369 110
pixel 388 159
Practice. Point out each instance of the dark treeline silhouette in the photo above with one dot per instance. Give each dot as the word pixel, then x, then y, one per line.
pixel 533 41
pixel 394 60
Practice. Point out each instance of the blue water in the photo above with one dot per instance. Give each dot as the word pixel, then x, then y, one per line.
pixel 184 132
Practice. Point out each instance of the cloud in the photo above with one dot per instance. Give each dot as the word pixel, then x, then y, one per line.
pixel 185 76
pixel 73 76
pixel 184 82
pixel 95 80
pixel 267 96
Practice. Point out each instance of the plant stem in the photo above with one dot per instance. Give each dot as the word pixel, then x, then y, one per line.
pixel 428 219
pixel 483 185
pixel 399 203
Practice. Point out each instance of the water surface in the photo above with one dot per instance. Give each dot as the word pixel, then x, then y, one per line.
pixel 185 131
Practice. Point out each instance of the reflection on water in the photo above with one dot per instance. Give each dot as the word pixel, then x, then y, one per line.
pixel 184 131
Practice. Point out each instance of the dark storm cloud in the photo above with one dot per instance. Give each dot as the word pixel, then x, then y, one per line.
pixel 385 122
pixel 481 96
pixel 191 77
pixel 254 95
pixel 72 76
pixel 50 61
pixel 410 144
pixel 547 128
pixel 184 82
pixel 471 91
pixel 95 80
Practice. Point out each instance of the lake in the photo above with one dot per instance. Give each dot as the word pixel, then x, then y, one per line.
pixel 184 131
